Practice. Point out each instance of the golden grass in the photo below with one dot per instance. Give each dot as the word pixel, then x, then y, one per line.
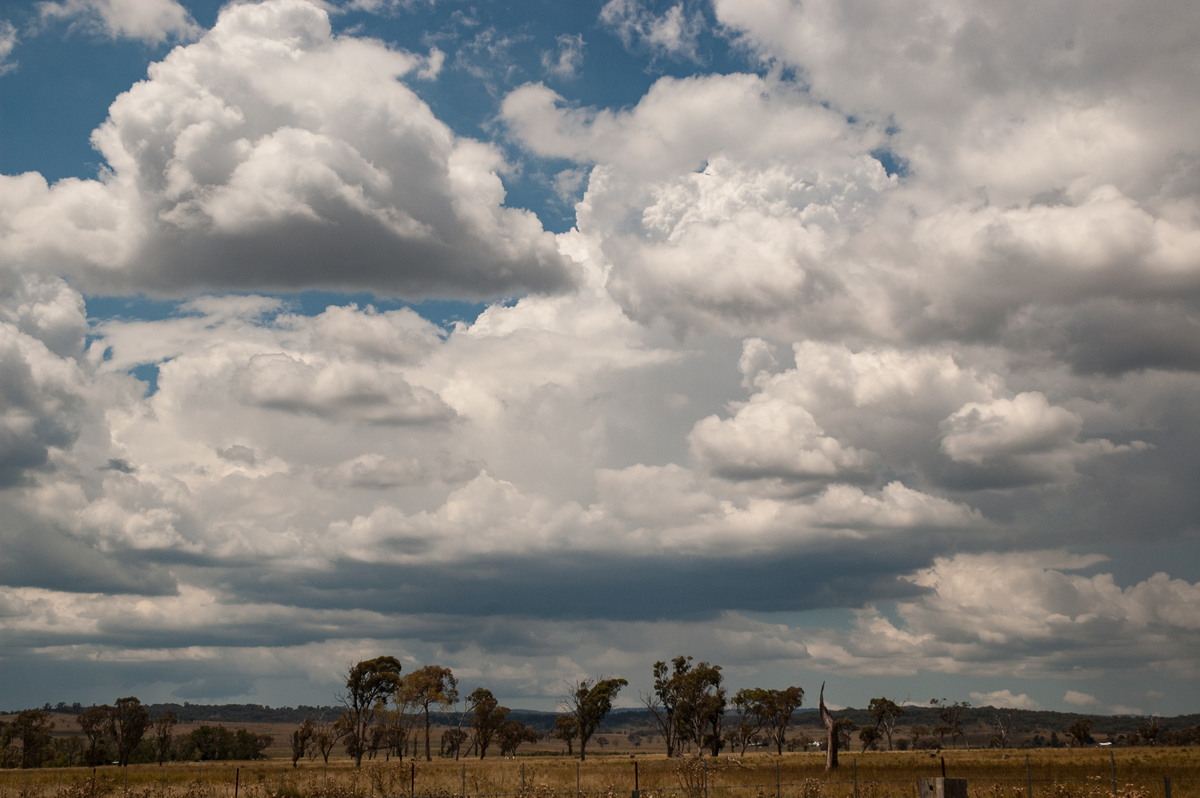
pixel 1059 773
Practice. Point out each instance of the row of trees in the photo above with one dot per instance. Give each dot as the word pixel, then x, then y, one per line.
pixel 121 733
pixel 689 705
pixel 384 711
pixel 387 712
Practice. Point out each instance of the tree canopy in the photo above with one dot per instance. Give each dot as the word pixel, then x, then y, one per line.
pixel 590 701
pixel 369 684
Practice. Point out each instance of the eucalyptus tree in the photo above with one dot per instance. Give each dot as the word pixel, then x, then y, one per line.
pixel 487 715
pixel 590 701
pixel 566 728
pixel 164 728
pixel 93 722
pixel 369 684
pixel 701 709
pixel 430 686
pixel 885 712
pixel 128 721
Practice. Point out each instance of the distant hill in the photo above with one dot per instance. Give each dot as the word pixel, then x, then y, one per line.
pixel 1021 723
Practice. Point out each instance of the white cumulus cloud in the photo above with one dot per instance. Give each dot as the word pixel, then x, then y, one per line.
pixel 272 152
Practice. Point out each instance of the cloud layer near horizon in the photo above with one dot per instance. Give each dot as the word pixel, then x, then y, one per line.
pixel 901 323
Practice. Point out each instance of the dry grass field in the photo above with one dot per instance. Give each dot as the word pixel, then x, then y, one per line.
pixel 1061 773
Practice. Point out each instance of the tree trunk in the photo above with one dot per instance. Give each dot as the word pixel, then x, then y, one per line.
pixel 831 735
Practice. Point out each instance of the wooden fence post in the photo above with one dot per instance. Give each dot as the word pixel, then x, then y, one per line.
pixel 942 788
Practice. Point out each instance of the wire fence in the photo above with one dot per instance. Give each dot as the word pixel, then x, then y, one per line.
pixel 725 778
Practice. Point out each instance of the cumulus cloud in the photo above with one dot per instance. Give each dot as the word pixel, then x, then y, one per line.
pixel 336 391
pixel 42 399
pixel 771 440
pixel 1078 699
pixel 1004 699
pixel 1021 440
pixel 839 331
pixel 952 68
pixel 1027 615
pixel 273 153
pixel 711 216
pixel 152 21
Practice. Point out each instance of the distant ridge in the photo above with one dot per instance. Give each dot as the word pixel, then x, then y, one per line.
pixel 1019 721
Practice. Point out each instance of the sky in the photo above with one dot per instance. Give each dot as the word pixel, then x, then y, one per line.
pixel 843 342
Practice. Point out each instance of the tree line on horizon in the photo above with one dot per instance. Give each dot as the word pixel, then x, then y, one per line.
pixel 385 712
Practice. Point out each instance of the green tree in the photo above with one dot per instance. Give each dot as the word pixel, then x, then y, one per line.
pixel 487 715
pixel 750 712
pixel 1080 732
pixel 302 739
pixel 869 737
pixel 93 722
pixel 127 723
pixel 32 728
pixel 425 688
pixel 511 734
pixel 217 743
pixel 590 701
pixel 776 708
pixel 885 713
pixel 566 729
pixel 663 703
pixel 701 707
pixel 369 684
pixel 951 717
pixel 1147 731
pixel 452 742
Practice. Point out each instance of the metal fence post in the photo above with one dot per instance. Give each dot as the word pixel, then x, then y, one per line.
pixel 1167 786
pixel 1028 777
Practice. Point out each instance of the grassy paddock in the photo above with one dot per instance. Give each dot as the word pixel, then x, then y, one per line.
pixel 1087 773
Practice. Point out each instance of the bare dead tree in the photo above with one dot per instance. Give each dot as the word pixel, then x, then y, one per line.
pixel 831 733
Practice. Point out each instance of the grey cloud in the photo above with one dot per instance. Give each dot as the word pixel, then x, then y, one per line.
pixel 377 472
pixel 598 586
pixel 216 686
pixel 337 391
pixel 39 405
pixel 238 454
pixel 1113 336
pixel 36 553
